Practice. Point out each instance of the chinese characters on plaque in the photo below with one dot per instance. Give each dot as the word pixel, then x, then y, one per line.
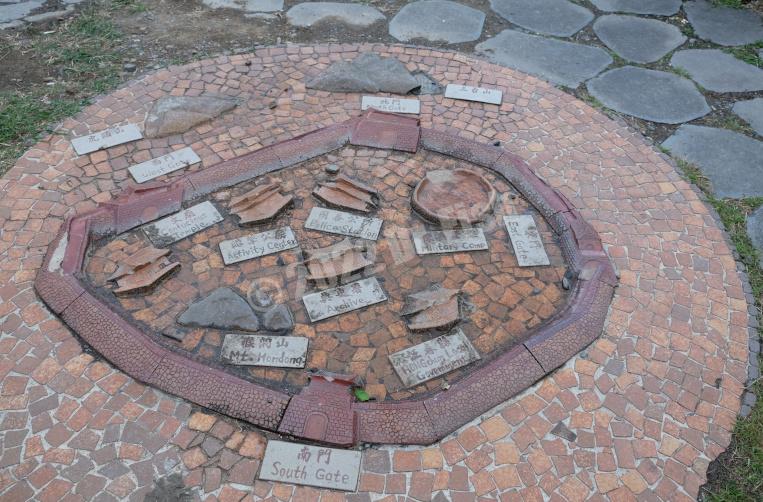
pixel 105 139
pixel 526 240
pixel 393 105
pixel 311 465
pixel 182 224
pixel 165 164
pixel 339 222
pixel 259 350
pixel 342 299
pixel 449 241
pixel 256 245
pixel 469 93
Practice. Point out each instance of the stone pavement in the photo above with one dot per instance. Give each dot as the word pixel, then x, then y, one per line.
pixel 640 414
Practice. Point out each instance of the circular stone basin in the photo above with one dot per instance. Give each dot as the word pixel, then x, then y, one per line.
pixel 459 196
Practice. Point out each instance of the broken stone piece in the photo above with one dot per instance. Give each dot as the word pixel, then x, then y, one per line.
pixel 343 258
pixel 366 73
pixel 261 204
pixel 434 308
pixel 142 270
pixel 177 114
pixel 347 193
pixel 457 196
pixel 278 319
pixel 222 309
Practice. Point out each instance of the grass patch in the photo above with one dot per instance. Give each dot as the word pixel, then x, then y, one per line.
pixel 748 53
pixel 680 71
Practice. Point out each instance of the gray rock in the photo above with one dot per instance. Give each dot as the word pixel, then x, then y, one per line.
pixel 437 21
pixel 12 24
pixel 278 319
pixel 222 309
pixel 177 114
pixel 718 71
pixel 723 25
pixel 310 13
pixel 648 94
pixel 366 73
pixel 654 7
pixel 751 111
pixel 17 11
pixel 731 161
pixel 636 38
pixel 246 5
pixel 560 62
pixel 260 297
pixel 755 231
pixel 49 16
pixel 549 17
pixel 332 169
pixel 427 85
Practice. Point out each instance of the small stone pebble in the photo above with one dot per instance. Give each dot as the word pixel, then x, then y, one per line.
pixel 332 169
pixel 129 67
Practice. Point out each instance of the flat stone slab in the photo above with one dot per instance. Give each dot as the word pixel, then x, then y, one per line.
pixel 260 350
pixel 718 71
pixel 653 7
pixel 563 63
pixel 339 222
pixel 437 21
pixel 221 309
pixel 755 231
pixel 256 245
pixel 525 238
pixel 246 5
pixel 636 38
pixel 548 17
pixel 433 358
pixel 343 299
pixel 751 111
pixel 177 114
pixel 731 161
pixel 649 94
pixel 723 25
pixel 366 73
pixel 469 93
pixel 308 14
pixel 15 11
pixel 182 224
pixel 449 241
pixel 106 139
pixel 319 466
pixel 165 164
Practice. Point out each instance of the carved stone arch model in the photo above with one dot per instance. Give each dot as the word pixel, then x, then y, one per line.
pixel 419 420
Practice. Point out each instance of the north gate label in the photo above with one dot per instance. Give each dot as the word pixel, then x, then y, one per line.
pixel 182 224
pixel 526 241
pixel 342 299
pixel 318 466
pixel 256 245
pixel 449 241
pixel 259 350
pixel 339 222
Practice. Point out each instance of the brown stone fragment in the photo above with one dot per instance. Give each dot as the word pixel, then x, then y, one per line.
pixel 261 204
pixel 348 194
pixel 338 260
pixel 142 270
pixel 434 308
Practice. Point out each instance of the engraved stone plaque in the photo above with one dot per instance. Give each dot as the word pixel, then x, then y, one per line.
pixel 342 299
pixel 449 241
pixel 255 245
pixel 526 240
pixel 182 224
pixel 319 466
pixel 259 350
pixel 393 105
pixel 433 358
pixel 105 139
pixel 469 93
pixel 165 164
pixel 339 222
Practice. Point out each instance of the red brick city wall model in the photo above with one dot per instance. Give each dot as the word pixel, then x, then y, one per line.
pixel 423 420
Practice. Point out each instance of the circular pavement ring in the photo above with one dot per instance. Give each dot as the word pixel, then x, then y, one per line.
pixel 645 408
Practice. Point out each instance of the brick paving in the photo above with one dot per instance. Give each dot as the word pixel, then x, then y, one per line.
pixel 642 411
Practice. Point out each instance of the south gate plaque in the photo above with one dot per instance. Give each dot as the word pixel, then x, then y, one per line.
pixel 319 466
pixel 256 245
pixel 342 299
pixel 259 350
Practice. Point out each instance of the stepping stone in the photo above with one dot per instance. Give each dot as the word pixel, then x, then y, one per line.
pixel 246 5
pixel 549 17
pixel 654 7
pixel 723 25
pixel 368 72
pixel 718 71
pixel 177 114
pixel 751 111
pixel 16 11
pixel 731 161
pixel 306 15
pixel 437 21
pixel 222 309
pixel 559 62
pixel 638 39
pixel 755 231
pixel 649 94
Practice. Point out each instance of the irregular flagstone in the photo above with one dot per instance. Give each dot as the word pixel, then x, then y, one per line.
pixel 222 309
pixel 718 71
pixel 366 73
pixel 732 161
pixel 308 14
pixel 177 114
pixel 560 62
pixel 636 38
pixel 437 21
pixel 755 231
pixel 751 111
pixel 648 94
pixel 549 17
pixel 654 7
pixel 17 11
pixel 724 25
pixel 246 5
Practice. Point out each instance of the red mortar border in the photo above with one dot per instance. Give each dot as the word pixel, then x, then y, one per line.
pixel 418 421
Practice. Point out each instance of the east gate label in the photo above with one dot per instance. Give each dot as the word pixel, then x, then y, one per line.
pixel 469 93
pixel 258 350
pixel 393 105
pixel 342 299
pixel 433 358
pixel 339 222
pixel 180 225
pixel 319 466
pixel 105 139
pixel 256 245
pixel 449 241
pixel 165 164
pixel 525 238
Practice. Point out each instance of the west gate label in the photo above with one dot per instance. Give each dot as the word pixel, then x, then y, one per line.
pixel 259 350
pixel 256 245
pixel 339 222
pixel 105 139
pixel 165 164
pixel 342 299
pixel 449 241
pixel 182 224
pixel 433 358
pixel 525 239
pixel 318 466
pixel 392 105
